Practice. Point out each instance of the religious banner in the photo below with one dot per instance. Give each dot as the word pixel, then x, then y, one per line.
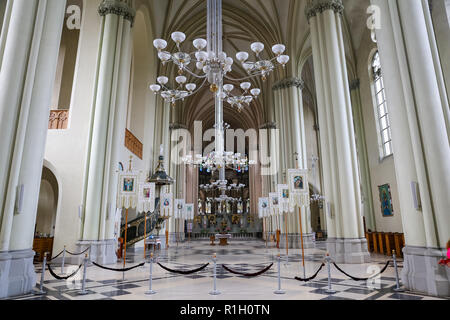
pixel 274 203
pixel 298 188
pixel 283 199
pixel 263 207
pixel 127 191
pixel 179 209
pixel 146 198
pixel 166 205
pixel 189 211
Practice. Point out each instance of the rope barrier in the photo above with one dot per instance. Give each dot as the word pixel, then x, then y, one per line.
pixel 63 278
pixel 250 275
pixel 78 254
pixel 362 279
pixel 118 270
pixel 56 256
pixel 183 272
pixel 313 277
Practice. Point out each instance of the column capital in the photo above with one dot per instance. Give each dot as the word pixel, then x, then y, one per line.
pixel 177 126
pixel 354 84
pixel 268 126
pixel 318 6
pixel 117 7
pixel 289 82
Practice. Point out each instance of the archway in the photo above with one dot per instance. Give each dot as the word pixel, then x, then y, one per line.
pixel 46 213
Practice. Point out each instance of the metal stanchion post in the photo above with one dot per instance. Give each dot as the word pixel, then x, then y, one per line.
pixel 41 285
pixel 215 292
pixel 63 260
pixel 83 285
pixel 328 261
pixel 279 291
pixel 397 280
pixel 150 291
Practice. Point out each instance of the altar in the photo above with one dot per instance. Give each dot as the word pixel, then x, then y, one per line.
pixel 223 239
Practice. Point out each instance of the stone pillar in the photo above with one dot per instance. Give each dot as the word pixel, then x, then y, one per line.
pixel 290 89
pixel 117 16
pixel 30 45
pixel 363 159
pixel 346 242
pixel 420 141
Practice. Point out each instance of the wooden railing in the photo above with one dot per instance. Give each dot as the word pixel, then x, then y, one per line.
pixel 58 120
pixel 133 144
pixel 386 242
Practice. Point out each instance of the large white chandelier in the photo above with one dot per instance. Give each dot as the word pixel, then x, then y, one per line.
pixel 214 65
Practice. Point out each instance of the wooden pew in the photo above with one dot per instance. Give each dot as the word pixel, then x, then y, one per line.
pixel 375 242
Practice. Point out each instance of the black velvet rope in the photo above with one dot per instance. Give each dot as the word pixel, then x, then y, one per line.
pixel 118 270
pixel 362 279
pixel 250 275
pixel 311 278
pixel 55 256
pixel 78 254
pixel 183 272
pixel 63 278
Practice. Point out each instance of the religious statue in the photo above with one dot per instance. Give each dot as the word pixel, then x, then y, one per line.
pixel 200 207
pixel 208 206
pixel 240 207
pixel 228 204
pixel 248 206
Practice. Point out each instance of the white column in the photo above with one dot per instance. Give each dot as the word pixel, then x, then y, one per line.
pixel 110 94
pixel 363 160
pixel 120 118
pixel 348 244
pixel 30 41
pixel 420 141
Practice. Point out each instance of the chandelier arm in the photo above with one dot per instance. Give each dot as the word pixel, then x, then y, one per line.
pixel 193 74
pixel 193 92
pixel 242 79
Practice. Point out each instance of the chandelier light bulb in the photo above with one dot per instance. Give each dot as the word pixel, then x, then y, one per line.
pixel 200 44
pixel 162 80
pixel 242 56
pixel 164 56
pixel 222 56
pixel 181 79
pixel 178 37
pixel 200 65
pixel 228 87
pixel 279 49
pixel 283 60
pixel 255 92
pixel 227 68
pixel 160 44
pixel 201 56
pixel 155 88
pixel 248 67
pixel 191 87
pixel 211 55
pixel 229 61
pixel 245 86
pixel 257 47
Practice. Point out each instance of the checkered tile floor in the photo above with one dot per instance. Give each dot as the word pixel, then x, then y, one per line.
pixel 241 256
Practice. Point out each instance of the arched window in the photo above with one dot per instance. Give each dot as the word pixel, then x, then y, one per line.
pixel 381 108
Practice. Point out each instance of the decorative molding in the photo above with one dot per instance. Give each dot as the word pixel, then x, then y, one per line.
pixel 318 6
pixel 117 7
pixel 177 126
pixel 354 84
pixel 269 126
pixel 288 83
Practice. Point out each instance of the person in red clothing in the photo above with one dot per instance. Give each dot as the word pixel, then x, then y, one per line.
pixel 446 261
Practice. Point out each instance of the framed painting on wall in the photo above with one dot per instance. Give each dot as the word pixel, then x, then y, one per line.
pixel 387 210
